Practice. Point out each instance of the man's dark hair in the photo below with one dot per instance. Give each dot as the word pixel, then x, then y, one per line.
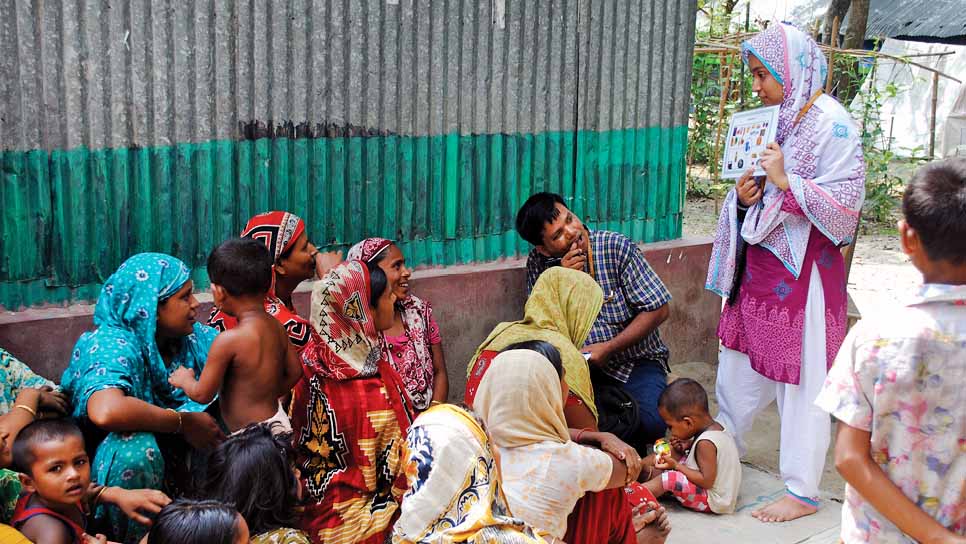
pixel 41 430
pixel 535 213
pixel 543 348
pixel 684 397
pixel 935 206
pixel 186 521
pixel 253 471
pixel 242 266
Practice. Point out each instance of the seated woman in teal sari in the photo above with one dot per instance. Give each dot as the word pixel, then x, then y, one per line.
pixel 117 382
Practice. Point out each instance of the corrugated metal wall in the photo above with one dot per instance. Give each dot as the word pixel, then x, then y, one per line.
pixel 154 125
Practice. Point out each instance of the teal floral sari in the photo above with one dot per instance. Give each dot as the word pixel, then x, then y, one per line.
pixel 121 353
pixel 14 377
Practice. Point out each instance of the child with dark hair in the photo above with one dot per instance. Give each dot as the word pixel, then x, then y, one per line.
pixel 33 400
pixel 896 387
pixel 186 521
pixel 58 493
pixel 253 364
pixel 255 471
pixel 707 475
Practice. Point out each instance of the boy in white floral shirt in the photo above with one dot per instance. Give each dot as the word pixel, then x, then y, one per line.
pixel 897 386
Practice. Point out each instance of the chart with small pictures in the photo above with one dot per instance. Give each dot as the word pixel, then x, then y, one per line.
pixel 748 134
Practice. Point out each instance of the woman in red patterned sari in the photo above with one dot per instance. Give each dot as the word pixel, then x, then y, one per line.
pixel 351 412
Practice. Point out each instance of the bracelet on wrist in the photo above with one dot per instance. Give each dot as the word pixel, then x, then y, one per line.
pixel 180 421
pixel 97 498
pixel 27 409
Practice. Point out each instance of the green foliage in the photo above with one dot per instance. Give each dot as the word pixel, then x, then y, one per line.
pixel 703 188
pixel 707 84
pixel 705 96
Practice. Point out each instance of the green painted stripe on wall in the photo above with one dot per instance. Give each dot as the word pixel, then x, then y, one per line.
pixel 70 217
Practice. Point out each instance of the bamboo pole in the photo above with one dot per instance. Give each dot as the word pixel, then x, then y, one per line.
pixel 834 40
pixel 904 60
pixel 741 81
pixel 725 89
pixel 936 54
pixel 932 118
pixel 724 48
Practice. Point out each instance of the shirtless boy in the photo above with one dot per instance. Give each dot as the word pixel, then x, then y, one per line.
pixel 253 364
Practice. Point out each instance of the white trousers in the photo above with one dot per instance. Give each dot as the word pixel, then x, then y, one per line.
pixel 805 428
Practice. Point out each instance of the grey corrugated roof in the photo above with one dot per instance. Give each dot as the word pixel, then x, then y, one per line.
pixel 921 18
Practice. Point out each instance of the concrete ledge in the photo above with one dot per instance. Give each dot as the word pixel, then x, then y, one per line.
pixel 468 300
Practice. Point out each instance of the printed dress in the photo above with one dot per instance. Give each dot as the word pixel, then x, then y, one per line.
pixel 349 417
pixel 900 377
pixel 121 353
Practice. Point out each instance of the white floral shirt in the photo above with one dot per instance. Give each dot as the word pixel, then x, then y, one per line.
pixel 901 377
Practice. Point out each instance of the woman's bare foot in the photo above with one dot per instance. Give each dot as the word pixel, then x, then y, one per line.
pixel 784 509
pixel 651 524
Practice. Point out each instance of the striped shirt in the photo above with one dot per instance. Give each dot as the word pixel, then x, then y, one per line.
pixel 630 287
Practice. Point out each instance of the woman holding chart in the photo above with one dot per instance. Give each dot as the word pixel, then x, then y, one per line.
pixel 776 261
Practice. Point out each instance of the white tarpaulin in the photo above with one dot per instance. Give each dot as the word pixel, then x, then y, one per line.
pixel 906 116
pixel 954 131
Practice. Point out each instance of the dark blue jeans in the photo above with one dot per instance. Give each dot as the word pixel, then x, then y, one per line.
pixel 646 383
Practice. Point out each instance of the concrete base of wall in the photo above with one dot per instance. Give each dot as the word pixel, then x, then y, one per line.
pixel 468 300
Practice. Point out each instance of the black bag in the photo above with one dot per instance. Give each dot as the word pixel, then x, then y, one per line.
pixel 616 410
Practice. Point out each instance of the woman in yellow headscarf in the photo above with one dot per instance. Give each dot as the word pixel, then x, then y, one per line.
pixel 561 309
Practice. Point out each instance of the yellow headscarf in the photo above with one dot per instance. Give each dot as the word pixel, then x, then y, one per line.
pixel 9 535
pixel 561 310
pixel 520 400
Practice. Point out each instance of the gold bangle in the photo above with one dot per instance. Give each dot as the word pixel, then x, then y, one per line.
pixel 27 408
pixel 97 498
pixel 180 421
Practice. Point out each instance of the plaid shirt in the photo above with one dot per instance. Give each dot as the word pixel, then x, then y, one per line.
pixel 630 287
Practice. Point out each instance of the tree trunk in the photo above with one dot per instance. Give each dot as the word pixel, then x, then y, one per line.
pixel 858 20
pixel 848 81
pixel 836 8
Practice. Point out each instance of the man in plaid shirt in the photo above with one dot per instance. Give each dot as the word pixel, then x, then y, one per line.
pixel 624 344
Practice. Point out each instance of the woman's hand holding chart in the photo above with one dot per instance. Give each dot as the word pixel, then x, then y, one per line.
pixel 749 191
pixel 773 162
